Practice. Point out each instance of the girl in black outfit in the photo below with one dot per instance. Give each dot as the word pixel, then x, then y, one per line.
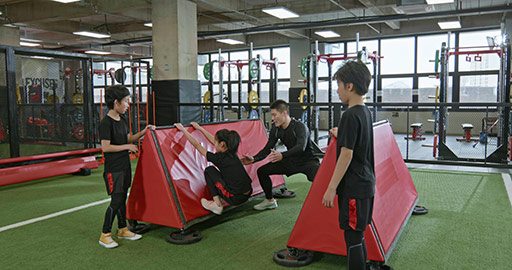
pixel 229 181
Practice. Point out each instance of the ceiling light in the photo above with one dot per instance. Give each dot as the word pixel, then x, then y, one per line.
pixel 327 34
pixel 97 52
pixel 449 25
pixel 91 34
pixel 30 40
pixel 42 57
pixel 435 2
pixel 230 41
pixel 148 24
pixel 280 12
pixel 66 1
pixel 29 44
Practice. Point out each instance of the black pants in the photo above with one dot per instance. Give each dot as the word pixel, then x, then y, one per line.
pixel 217 187
pixel 285 167
pixel 117 208
pixel 356 250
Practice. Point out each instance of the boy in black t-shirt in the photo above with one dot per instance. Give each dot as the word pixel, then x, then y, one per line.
pixel 354 177
pixel 116 142
pixel 230 182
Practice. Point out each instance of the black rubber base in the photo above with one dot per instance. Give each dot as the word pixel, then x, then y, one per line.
pixel 293 257
pixel 84 172
pixel 419 210
pixel 184 237
pixel 140 228
pixel 284 194
pixel 371 265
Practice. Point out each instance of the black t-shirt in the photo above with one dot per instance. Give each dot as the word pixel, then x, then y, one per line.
pixel 232 171
pixel 355 132
pixel 296 139
pixel 117 133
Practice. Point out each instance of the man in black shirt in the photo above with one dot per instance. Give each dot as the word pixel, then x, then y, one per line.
pixel 298 159
pixel 353 179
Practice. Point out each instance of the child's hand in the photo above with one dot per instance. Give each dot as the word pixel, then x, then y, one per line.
pixel 246 160
pixel 328 200
pixel 133 148
pixel 179 126
pixel 334 132
pixel 149 127
pixel 195 125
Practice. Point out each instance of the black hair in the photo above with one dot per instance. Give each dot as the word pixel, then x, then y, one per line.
pixel 230 138
pixel 357 73
pixel 279 105
pixel 115 92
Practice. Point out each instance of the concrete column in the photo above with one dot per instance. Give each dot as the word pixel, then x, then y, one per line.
pixel 9 36
pixel 175 61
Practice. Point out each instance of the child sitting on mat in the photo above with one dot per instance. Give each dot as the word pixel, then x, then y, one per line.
pixel 230 182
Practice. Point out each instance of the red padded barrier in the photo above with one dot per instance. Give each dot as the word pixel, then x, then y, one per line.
pixel 13 175
pixel 317 227
pixel 151 198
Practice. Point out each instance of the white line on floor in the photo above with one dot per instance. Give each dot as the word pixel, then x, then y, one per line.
pixel 56 214
pixel 508 185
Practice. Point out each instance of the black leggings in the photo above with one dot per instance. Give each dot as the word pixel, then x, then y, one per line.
pixel 356 250
pixel 117 208
pixel 217 187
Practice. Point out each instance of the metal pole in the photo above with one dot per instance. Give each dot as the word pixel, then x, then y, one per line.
pixel 14 139
pixel 221 90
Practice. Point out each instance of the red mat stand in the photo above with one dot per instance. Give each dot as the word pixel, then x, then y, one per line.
pixel 11 172
pixel 317 227
pixel 169 179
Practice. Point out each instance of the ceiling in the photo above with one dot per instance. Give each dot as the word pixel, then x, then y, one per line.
pixel 53 23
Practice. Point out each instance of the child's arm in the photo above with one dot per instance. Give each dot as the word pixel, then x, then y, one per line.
pixel 135 137
pixel 341 168
pixel 191 139
pixel 207 134
pixel 107 147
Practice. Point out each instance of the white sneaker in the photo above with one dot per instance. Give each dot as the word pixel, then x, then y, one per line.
pixel 266 204
pixel 211 206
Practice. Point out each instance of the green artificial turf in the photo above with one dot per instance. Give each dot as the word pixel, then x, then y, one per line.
pixel 467 228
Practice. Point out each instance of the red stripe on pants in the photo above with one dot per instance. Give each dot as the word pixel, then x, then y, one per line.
pixel 352 213
pixel 225 192
pixel 110 182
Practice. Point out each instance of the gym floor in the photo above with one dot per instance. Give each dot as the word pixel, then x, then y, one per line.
pixel 468 227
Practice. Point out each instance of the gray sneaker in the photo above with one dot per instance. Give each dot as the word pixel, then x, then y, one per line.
pixel 265 204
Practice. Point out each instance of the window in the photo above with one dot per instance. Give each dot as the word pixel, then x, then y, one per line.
pixel 427 46
pixel 224 57
pixel 335 48
pixel 241 55
pixel 479 88
pixel 398 56
pixel 371 46
pixel 427 89
pixel 397 90
pixel 265 55
pixel 473 62
pixel 282 55
pixel 282 90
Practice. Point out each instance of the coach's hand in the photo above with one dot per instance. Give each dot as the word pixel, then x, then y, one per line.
pixel 328 200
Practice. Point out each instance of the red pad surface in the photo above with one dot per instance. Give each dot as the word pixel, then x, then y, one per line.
pixel 151 199
pixel 317 227
pixel 18 174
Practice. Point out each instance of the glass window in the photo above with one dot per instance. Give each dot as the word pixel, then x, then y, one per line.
pixel 116 65
pixel 476 62
pixel 371 47
pixel 240 55
pixel 98 79
pixel 479 88
pixel 427 89
pixel 283 89
pixel 427 46
pixel 398 55
pixel 282 55
pixel 265 54
pixel 202 59
pixel 224 57
pixel 397 90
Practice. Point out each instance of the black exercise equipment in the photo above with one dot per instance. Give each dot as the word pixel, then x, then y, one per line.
pixel 419 210
pixel 184 237
pixel 293 257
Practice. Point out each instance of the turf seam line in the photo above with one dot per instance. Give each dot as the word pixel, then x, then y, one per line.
pixel 56 214
pixel 508 185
